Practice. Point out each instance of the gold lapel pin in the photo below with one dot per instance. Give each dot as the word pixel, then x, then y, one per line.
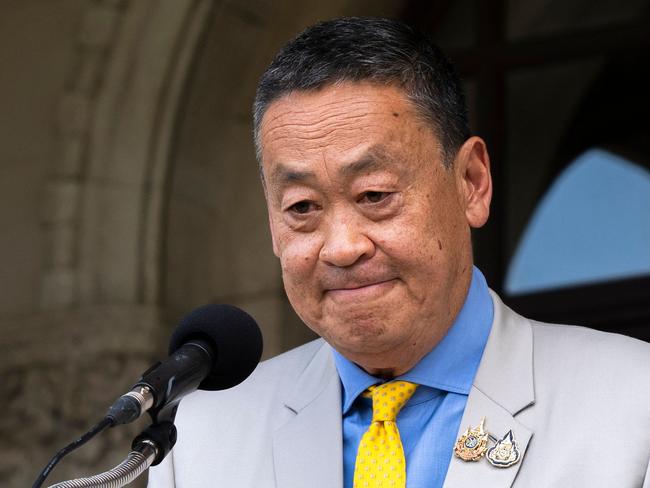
pixel 471 446
pixel 505 453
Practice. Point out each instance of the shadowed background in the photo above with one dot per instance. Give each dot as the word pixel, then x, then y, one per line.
pixel 129 190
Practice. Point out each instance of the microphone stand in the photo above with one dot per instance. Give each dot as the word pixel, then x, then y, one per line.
pixel 148 449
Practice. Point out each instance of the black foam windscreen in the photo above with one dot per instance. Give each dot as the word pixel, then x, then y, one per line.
pixel 235 337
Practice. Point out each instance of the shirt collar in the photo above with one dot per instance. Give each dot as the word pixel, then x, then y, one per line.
pixel 451 365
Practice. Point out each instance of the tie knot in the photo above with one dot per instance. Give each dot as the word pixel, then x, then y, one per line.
pixel 389 398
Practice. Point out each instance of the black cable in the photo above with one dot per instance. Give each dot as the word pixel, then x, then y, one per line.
pixel 105 423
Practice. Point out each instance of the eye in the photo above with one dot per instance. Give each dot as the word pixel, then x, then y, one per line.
pixel 302 207
pixel 375 196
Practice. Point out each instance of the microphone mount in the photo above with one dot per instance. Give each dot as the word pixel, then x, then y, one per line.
pixel 162 386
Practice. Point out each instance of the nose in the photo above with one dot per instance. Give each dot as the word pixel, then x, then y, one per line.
pixel 345 243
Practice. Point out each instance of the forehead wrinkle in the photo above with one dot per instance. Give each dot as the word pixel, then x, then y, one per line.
pixel 339 105
pixel 311 119
pixel 309 133
pixel 310 130
pixel 326 110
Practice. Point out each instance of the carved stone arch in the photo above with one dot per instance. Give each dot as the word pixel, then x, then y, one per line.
pixel 116 127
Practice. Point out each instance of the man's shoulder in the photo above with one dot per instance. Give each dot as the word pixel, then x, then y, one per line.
pixel 217 429
pixel 575 361
pixel 271 380
pixel 571 363
pixel 584 346
pixel 574 348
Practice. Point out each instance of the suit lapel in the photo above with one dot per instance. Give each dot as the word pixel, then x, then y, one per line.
pixel 307 450
pixel 503 387
pixel 498 422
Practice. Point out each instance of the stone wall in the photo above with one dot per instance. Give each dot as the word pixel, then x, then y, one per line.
pixel 60 373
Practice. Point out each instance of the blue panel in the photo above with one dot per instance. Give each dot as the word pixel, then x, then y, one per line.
pixel 593 225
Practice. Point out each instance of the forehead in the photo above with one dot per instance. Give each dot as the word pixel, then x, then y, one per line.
pixel 338 123
pixel 346 101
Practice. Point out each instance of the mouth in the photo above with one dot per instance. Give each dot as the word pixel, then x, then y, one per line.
pixel 365 291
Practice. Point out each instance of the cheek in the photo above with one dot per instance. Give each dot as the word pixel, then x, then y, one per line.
pixel 298 256
pixel 299 259
pixel 407 239
pixel 422 246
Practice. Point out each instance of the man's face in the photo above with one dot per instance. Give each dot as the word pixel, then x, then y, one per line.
pixel 370 228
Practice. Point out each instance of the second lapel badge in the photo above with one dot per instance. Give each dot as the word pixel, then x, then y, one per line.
pixel 505 453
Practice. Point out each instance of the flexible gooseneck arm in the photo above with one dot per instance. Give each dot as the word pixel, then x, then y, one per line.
pixel 136 463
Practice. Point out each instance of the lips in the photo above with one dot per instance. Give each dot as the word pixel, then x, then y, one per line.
pixel 361 291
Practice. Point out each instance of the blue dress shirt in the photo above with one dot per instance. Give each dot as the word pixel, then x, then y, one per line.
pixel 429 422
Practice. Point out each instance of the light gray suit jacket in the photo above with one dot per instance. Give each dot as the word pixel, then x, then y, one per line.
pixel 577 400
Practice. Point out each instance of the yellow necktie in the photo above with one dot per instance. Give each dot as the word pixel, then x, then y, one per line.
pixel 380 458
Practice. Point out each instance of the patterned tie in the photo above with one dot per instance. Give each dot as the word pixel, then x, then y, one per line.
pixel 380 458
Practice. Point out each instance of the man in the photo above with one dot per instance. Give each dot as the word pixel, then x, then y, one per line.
pixel 373 183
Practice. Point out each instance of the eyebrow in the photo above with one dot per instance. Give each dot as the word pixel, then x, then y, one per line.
pixel 375 158
pixel 283 175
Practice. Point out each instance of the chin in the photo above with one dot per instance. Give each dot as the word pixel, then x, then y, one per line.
pixel 360 338
pixel 363 313
pixel 359 326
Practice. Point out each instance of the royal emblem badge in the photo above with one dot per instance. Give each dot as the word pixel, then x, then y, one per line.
pixel 471 446
pixel 505 453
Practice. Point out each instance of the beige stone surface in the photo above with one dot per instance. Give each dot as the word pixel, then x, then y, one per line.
pixel 36 49
pixel 61 371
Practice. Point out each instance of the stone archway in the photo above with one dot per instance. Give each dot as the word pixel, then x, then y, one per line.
pixel 115 122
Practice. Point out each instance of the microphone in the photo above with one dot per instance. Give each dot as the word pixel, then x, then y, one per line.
pixel 214 347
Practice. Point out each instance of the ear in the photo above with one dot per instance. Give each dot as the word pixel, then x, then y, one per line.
pixel 473 173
